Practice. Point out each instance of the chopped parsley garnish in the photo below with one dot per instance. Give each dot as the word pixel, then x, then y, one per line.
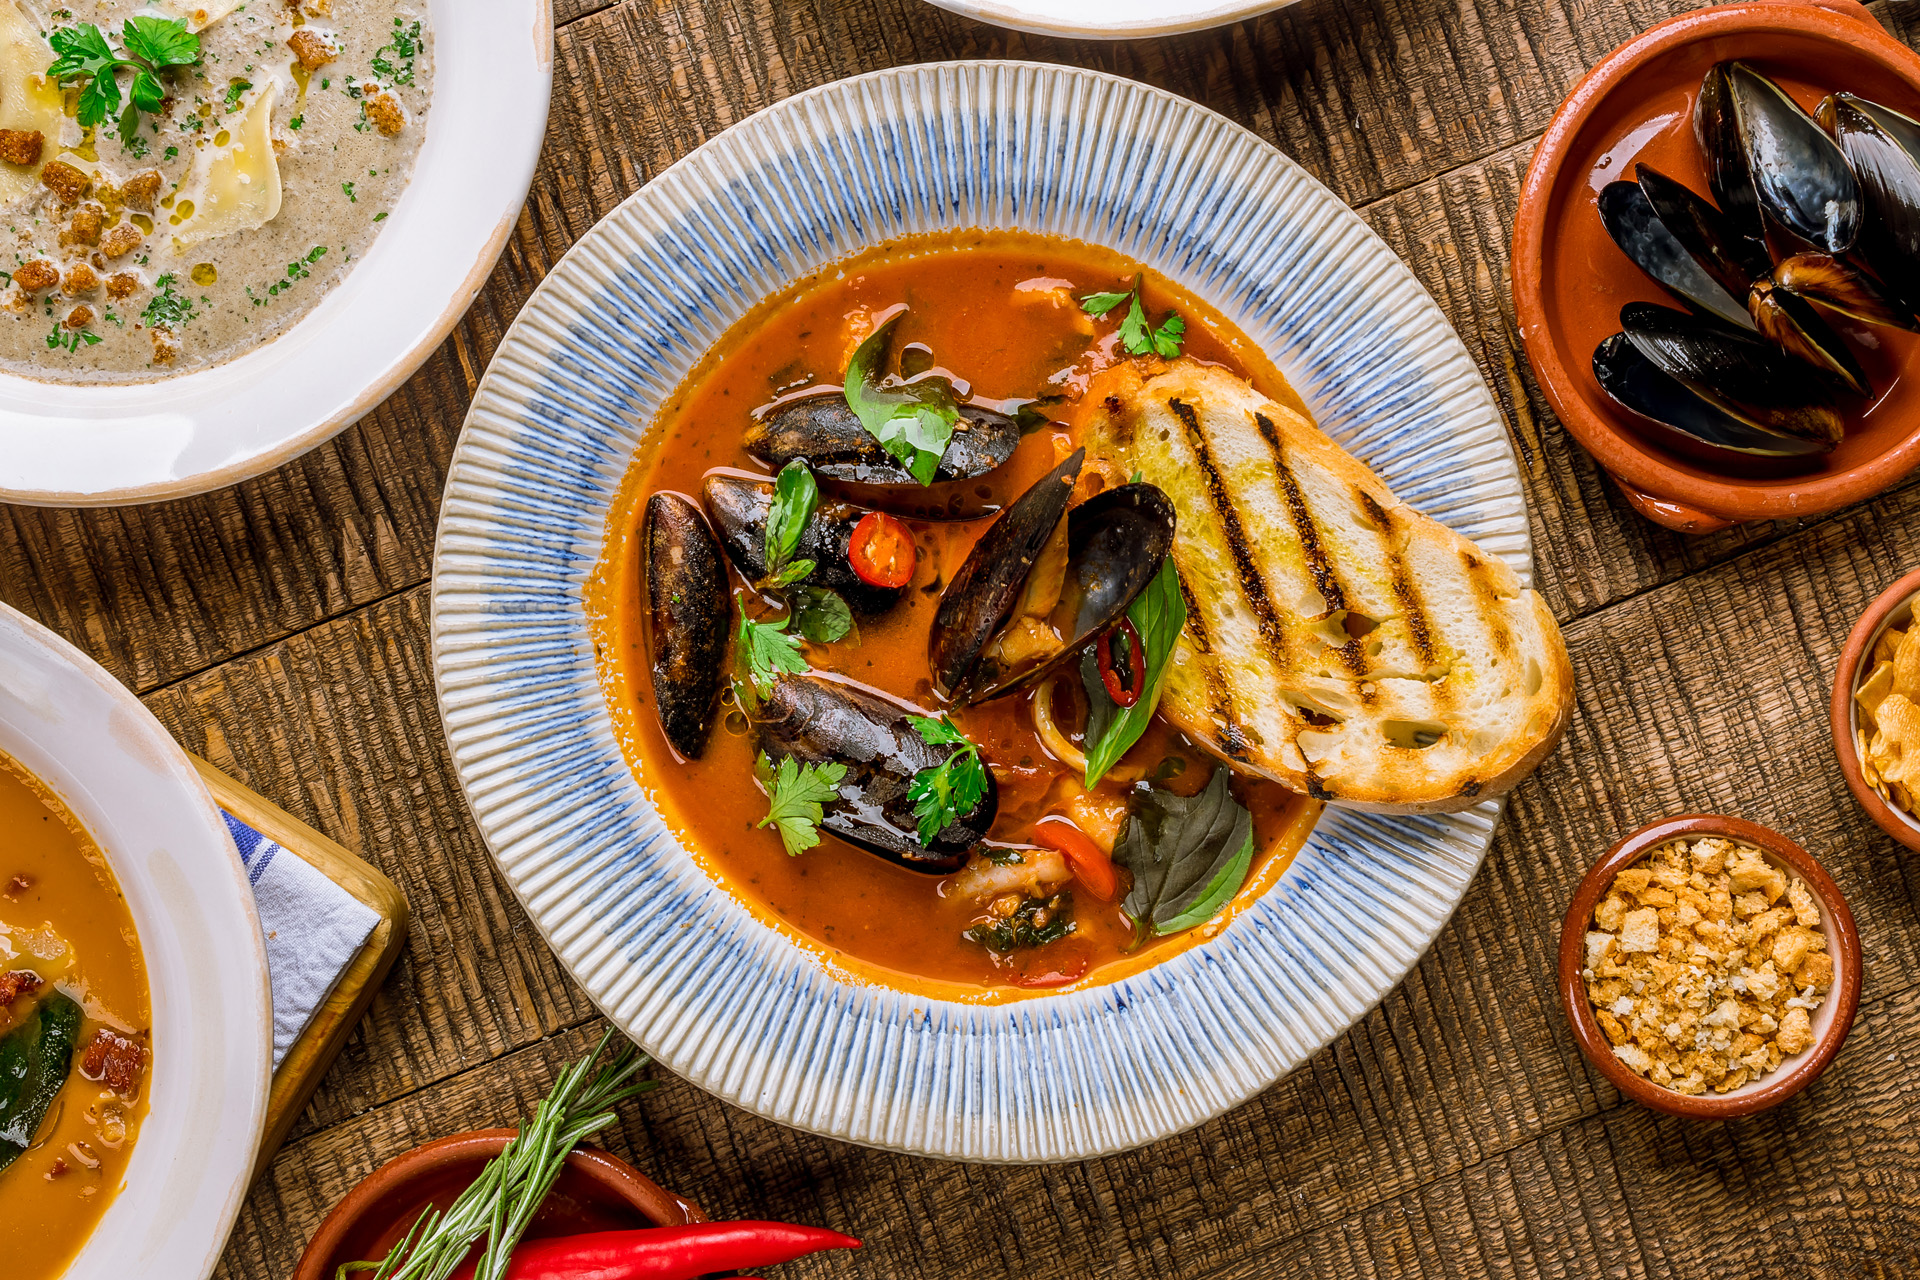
pixel 294 122
pixel 296 270
pixel 381 216
pixel 348 188
pixel 148 46
pixel 70 340
pixel 912 418
pixel 167 309
pixel 766 650
pixel 1034 923
pixel 404 46
pixel 1136 335
pixel 234 89
pixel 795 794
pixel 946 792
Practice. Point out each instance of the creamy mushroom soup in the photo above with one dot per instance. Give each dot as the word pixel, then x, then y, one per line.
pixel 181 180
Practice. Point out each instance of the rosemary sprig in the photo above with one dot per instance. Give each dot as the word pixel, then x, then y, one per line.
pixel 503 1199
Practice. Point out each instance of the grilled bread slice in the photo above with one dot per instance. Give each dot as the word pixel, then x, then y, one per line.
pixel 1337 641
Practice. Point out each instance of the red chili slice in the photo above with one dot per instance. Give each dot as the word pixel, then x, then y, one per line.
pixel 1126 685
pixel 881 550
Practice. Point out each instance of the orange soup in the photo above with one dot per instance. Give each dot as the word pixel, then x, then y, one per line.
pixel 74 1028
pixel 1005 319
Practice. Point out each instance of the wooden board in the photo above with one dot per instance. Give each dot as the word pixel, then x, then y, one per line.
pixel 308 1058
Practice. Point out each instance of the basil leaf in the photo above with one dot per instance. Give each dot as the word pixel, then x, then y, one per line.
pixel 822 616
pixel 913 420
pixel 34 1057
pixel 795 495
pixel 1188 856
pixel 1157 613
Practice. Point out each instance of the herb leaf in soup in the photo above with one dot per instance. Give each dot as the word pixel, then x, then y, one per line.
pixel 1137 335
pixel 150 44
pixel 767 649
pixel 947 792
pixel 795 496
pixel 914 419
pixel 795 794
pixel 822 616
pixel 1158 613
pixel 34 1058
pixel 1188 856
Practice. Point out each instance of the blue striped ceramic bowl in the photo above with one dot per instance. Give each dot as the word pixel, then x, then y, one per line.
pixel 729 1003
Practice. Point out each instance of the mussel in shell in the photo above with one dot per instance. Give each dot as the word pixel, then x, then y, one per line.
pixel 1821 278
pixel 1878 144
pixel 1635 382
pixel 825 433
pixel 690 615
pixel 1792 324
pixel 1717 132
pixel 1799 174
pixel 1648 242
pixel 1728 369
pixel 1038 588
pixel 740 505
pixel 816 720
pixel 1734 260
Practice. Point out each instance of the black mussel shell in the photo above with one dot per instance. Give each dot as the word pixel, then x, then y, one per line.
pixel 1791 322
pixel 690 614
pixel 987 587
pixel 815 720
pixel 1732 259
pixel 1649 244
pixel 739 506
pixel 1799 174
pixel 1889 174
pixel 1634 381
pixel 826 434
pixel 1821 278
pixel 1731 368
pixel 1718 134
pixel 1116 542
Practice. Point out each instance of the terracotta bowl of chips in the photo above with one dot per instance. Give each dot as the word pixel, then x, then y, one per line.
pixel 1831 1021
pixel 1862 657
pixel 596 1191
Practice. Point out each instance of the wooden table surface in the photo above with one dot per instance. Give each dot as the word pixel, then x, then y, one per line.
pixel 280 630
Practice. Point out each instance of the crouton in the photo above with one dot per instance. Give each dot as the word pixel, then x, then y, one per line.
pixel 1796 1031
pixel 388 116
pixel 66 182
pixel 121 241
pixel 81 278
pixel 79 317
pixel 164 350
pixel 141 190
pixel 36 276
pixel 312 49
pixel 122 285
pixel 84 229
pixel 1640 931
pixel 21 146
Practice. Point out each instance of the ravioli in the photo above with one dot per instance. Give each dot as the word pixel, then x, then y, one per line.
pixel 27 101
pixel 199 14
pixel 235 187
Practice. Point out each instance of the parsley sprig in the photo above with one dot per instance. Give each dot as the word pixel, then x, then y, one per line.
pixel 148 45
pixel 947 792
pixel 795 794
pixel 765 650
pixel 823 617
pixel 1136 335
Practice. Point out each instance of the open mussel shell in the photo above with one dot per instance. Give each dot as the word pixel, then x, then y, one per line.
pixel 1635 382
pixel 1791 323
pixel 1116 542
pixel 815 721
pixel 1729 368
pixel 1874 141
pixel 1733 259
pixel 983 593
pixel 822 431
pixel 690 615
pixel 1821 278
pixel 1718 134
pixel 1800 176
pixel 740 505
pixel 1630 218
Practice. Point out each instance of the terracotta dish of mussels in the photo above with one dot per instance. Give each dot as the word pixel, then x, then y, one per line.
pixel 1728 308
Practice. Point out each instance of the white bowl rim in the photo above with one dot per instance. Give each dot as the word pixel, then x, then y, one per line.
pixel 1083 19
pixel 378 326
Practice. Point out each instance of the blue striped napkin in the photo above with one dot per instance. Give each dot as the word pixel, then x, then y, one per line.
pixel 313 927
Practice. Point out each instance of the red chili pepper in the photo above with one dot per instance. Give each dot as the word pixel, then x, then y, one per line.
pixel 1124 690
pixel 665 1253
pixel 880 551
pixel 1091 867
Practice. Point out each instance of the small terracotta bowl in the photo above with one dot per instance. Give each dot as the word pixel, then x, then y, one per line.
pixel 1570 280
pixel 595 1192
pixel 1831 1021
pixel 1893 608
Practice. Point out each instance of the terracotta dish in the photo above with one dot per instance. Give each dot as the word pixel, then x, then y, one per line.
pixel 596 1192
pixel 1893 607
pixel 1570 280
pixel 1831 1021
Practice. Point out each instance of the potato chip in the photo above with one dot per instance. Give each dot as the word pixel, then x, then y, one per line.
pixel 1874 688
pixel 1906 665
pixel 1889 641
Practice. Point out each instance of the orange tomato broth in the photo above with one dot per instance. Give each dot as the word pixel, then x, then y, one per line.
pixel 863 916
pixel 48 1209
